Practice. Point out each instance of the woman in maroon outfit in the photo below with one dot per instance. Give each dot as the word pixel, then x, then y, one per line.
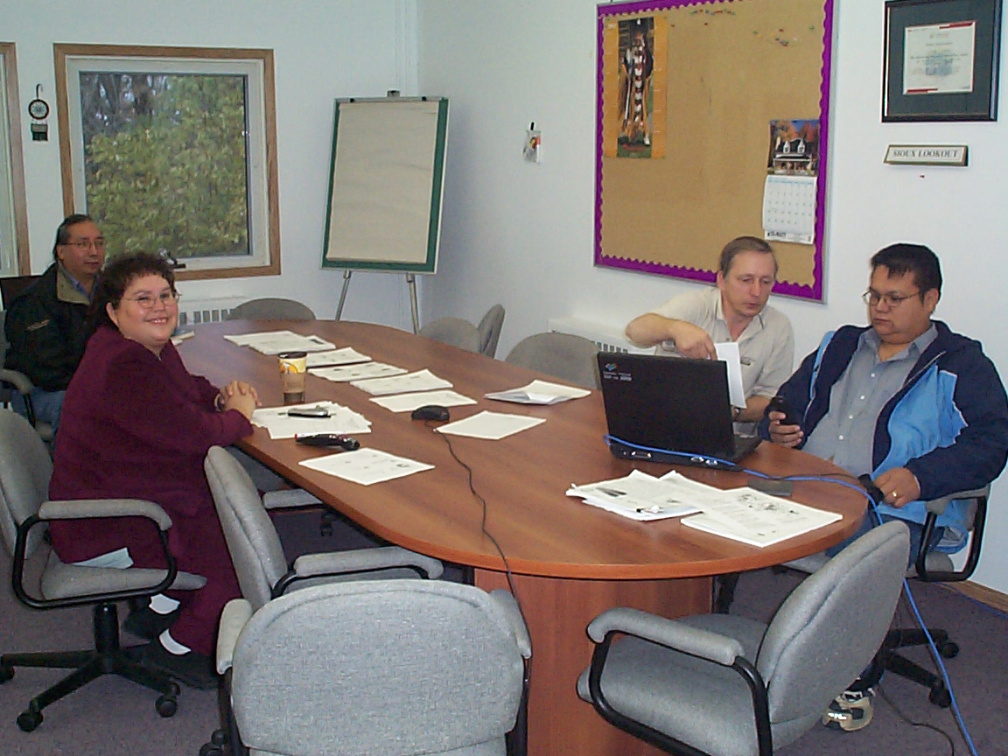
pixel 136 424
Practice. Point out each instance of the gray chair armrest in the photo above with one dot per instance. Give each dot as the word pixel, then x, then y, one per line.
pixel 669 633
pixel 289 498
pixel 364 560
pixel 17 379
pixel 87 508
pixel 937 506
pixel 514 617
pixel 236 614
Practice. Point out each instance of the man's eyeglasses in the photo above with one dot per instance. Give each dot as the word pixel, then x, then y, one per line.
pixel 147 301
pixel 85 244
pixel 872 298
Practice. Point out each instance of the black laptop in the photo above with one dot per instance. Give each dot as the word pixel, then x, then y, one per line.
pixel 670 409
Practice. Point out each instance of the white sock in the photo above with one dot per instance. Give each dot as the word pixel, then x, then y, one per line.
pixel 163 604
pixel 171 645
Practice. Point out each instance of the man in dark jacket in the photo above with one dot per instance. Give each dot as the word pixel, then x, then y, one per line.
pixel 45 324
pixel 917 407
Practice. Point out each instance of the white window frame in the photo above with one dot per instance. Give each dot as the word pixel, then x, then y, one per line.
pixel 14 259
pixel 262 195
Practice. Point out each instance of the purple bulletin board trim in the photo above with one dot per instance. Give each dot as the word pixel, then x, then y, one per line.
pixel 813 292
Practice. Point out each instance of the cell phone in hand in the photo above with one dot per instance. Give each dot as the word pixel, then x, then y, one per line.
pixel 780 404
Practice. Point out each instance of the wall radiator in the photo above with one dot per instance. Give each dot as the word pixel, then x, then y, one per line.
pixel 193 311
pixel 607 338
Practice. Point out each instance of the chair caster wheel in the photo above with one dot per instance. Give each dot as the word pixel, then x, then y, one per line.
pixel 949 650
pixel 166 705
pixel 940 697
pixel 29 719
pixel 209 749
pixel 6 673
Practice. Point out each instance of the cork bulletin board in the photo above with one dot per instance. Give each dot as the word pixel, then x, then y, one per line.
pixel 712 123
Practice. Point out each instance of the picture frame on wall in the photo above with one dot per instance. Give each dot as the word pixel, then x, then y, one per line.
pixel 941 60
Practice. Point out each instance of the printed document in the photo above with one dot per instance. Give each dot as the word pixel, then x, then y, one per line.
pixel 281 425
pixel 344 356
pixel 639 496
pixel 756 518
pixel 409 402
pixel 728 353
pixel 421 380
pixel 275 342
pixel 366 466
pixel 345 373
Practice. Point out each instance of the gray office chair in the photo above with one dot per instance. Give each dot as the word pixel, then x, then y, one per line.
pixel 563 355
pixel 396 667
pixel 262 570
pixel 25 469
pixel 489 329
pixel 15 382
pixel 930 566
pixel 454 331
pixel 271 308
pixel 723 684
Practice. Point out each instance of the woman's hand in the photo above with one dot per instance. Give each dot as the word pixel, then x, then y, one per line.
pixel 240 396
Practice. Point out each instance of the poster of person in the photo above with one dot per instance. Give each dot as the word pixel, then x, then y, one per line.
pixel 636 87
pixel 794 148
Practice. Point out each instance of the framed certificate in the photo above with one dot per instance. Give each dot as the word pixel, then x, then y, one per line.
pixel 941 60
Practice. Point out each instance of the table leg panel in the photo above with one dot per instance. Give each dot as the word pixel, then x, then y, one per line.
pixel 557 611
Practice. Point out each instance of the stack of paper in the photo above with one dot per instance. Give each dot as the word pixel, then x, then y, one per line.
pixel 280 424
pixel 344 356
pixel 275 342
pixel 639 496
pixel 421 380
pixel 539 392
pixel 346 373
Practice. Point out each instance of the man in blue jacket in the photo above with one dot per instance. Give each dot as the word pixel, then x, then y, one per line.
pixel 917 407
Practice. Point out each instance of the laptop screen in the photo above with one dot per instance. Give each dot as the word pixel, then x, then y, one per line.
pixel 669 403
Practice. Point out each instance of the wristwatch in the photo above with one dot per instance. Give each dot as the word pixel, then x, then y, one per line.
pixel 219 402
pixel 735 412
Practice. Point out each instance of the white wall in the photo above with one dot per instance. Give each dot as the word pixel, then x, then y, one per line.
pixel 322 50
pixel 522 235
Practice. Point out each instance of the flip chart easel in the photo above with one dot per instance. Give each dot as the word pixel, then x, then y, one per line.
pixel 385 188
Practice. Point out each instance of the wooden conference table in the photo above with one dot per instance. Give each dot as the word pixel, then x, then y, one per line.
pixel 569 561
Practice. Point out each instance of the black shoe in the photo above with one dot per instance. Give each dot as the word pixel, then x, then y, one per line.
pixel 192 669
pixel 146 623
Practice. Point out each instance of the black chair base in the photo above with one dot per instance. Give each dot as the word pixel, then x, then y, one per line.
pixel 938 693
pixel 107 658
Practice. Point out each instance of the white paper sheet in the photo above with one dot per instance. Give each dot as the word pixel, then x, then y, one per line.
pixel 490 425
pixel 638 496
pixel 344 356
pixel 421 380
pixel 409 402
pixel 281 425
pixel 756 518
pixel 346 373
pixel 366 466
pixel 728 352
pixel 539 392
pixel 275 342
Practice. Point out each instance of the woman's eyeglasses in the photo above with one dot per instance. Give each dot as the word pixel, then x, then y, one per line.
pixel 147 301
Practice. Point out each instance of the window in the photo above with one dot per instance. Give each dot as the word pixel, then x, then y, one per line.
pixel 172 150
pixel 13 218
